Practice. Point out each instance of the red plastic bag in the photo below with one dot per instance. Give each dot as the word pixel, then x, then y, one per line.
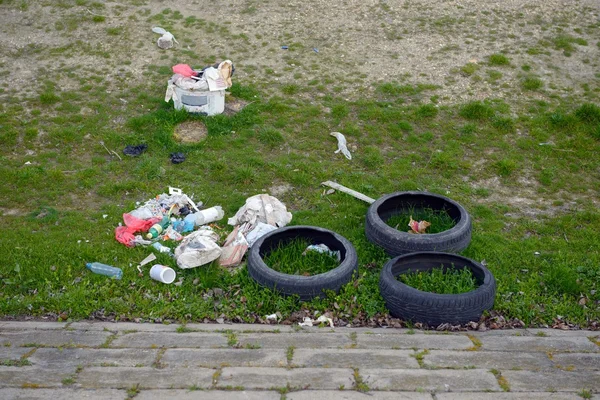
pixel 184 69
pixel 126 234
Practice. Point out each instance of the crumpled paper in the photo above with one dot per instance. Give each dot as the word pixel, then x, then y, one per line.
pixel 342 145
pixel 310 322
pixel 262 208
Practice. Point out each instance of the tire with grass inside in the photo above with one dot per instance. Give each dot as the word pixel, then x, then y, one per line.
pixel 307 287
pixel 433 309
pixel 396 242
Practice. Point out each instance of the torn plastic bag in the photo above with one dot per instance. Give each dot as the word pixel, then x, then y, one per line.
pixel 341 145
pixel 167 38
pixel 126 234
pixel 233 249
pixel 198 248
pixel 262 208
pixel 323 249
pixel 259 231
pixel 184 70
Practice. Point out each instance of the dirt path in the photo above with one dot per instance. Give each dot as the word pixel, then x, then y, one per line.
pixel 336 46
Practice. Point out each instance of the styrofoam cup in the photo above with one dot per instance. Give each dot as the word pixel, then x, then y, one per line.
pixel 162 273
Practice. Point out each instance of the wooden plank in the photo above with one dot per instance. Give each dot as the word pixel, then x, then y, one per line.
pixel 349 191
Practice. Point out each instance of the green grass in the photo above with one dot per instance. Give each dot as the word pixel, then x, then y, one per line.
pixel 499 60
pixel 440 220
pixel 454 280
pixel 291 258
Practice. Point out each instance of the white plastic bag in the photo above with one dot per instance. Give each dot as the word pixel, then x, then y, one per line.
pixel 259 231
pixel 342 144
pixel 167 38
pixel 262 208
pixel 198 248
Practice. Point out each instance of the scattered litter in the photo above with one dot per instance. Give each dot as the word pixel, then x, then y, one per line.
pixel 125 234
pixel 162 273
pixel 200 91
pixel 156 229
pixel 315 50
pixel 262 208
pixel 110 152
pixel 284 47
pixel 135 151
pixel 166 40
pixel 28 163
pixel 417 227
pixel 161 248
pixel 151 257
pixel 104 216
pixel 342 145
pixel 103 269
pixel 177 158
pixel 259 231
pixel 234 248
pixel 208 215
pixel 310 322
pixel 537 253
pixel 198 248
pixel 323 249
pixel 271 317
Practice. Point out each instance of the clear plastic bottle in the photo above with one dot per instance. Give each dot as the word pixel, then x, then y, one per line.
pixel 103 269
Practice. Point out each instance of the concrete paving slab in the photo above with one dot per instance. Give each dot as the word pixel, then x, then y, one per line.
pixel 354 358
pixel 545 332
pixel 241 328
pixel 54 338
pixel 298 340
pixel 352 395
pixel 579 361
pixel 122 326
pixel 535 343
pixel 147 378
pixel 62 394
pixel 430 380
pixel 215 358
pixel 506 396
pixel 170 339
pixel 420 341
pixel 487 360
pixel 207 395
pixel 13 353
pixel 269 378
pixel 31 325
pixel 33 377
pixel 549 381
pixel 51 358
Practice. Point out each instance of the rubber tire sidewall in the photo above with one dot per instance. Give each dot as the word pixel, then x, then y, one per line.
pixel 307 287
pixel 433 309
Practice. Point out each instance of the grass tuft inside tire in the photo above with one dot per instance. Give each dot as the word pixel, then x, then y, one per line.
pixel 433 309
pixel 306 287
pixel 399 241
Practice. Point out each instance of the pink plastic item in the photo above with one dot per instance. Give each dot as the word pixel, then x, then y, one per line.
pixel 185 70
pixel 126 234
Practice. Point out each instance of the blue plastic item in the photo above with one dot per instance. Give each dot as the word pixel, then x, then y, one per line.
pixel 103 269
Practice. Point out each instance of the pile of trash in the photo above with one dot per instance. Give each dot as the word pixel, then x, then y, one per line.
pixel 200 91
pixel 176 217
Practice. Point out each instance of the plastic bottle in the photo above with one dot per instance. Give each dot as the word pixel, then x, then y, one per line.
pixel 158 228
pixel 161 248
pixel 103 269
pixel 209 215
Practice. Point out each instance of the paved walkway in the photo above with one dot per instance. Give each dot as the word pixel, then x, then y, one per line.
pixel 50 360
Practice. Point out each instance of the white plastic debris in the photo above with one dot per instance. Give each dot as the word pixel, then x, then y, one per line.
pixel 167 38
pixel 310 322
pixel 271 317
pixel 234 248
pixel 322 248
pixel 259 231
pixel 198 248
pixel 262 208
pixel 342 144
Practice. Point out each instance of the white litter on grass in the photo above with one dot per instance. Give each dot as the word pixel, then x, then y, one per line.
pixel 167 38
pixel 342 145
pixel 271 317
pixel 262 208
pixel 310 322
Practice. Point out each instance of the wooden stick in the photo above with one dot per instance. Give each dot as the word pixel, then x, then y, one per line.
pixel 349 191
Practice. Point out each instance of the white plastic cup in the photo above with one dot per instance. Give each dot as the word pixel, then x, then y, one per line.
pixel 209 215
pixel 162 273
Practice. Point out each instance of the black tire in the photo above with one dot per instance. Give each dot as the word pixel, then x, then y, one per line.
pixel 433 309
pixel 396 242
pixel 307 287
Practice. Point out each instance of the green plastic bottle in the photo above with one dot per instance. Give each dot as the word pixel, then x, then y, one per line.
pixel 158 228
